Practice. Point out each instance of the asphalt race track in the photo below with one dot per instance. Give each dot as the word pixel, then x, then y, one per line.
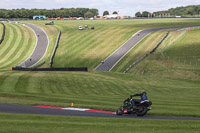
pixel 115 57
pixel 41 46
pixel 10 108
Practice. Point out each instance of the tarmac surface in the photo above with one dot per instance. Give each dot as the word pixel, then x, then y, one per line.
pixel 10 108
pixel 40 49
pixel 115 57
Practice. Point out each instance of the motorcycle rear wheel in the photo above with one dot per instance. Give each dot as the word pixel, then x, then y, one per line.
pixel 120 111
pixel 142 111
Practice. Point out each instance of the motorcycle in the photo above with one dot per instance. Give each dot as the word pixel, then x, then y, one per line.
pixel 134 106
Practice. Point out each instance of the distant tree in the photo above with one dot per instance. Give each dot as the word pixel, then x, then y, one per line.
pixel 138 14
pixel 105 13
pixel 88 14
pixel 115 12
pixel 94 11
pixel 145 14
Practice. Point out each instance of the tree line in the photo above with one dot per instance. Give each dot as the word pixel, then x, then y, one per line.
pixel 53 13
pixel 193 10
pixel 183 11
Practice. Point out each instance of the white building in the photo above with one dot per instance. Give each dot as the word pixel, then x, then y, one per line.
pixel 112 16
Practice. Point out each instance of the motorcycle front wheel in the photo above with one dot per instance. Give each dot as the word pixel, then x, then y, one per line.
pixel 120 111
pixel 142 111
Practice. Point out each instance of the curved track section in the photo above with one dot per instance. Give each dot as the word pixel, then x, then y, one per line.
pixel 9 108
pixel 41 46
pixel 115 57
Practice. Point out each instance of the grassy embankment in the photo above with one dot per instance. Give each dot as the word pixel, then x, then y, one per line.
pixel 1 30
pixel 17 46
pixel 179 60
pixel 88 48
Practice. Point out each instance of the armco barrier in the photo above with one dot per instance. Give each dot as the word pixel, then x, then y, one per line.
pixel 3 34
pixel 84 69
pixel 54 51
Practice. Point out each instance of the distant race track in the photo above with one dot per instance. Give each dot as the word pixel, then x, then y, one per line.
pixel 41 46
pixel 114 58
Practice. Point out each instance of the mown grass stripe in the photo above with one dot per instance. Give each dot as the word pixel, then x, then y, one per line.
pixel 17 46
pixel 27 46
pixel 10 46
pixel 10 36
pixel 22 47
pixel 84 48
pixel 9 84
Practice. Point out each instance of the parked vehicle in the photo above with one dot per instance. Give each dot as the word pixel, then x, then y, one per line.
pixel 80 28
pixel 135 106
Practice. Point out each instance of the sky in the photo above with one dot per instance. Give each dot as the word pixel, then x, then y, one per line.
pixel 124 7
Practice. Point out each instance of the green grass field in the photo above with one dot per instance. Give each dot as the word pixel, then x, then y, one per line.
pixel 179 60
pixel 1 30
pixel 100 90
pixel 17 46
pixel 88 48
pixel 57 124
pixel 170 76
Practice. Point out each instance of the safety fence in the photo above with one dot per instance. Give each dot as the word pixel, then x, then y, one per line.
pixel 84 69
pixel 3 33
pixel 54 51
pixel 154 49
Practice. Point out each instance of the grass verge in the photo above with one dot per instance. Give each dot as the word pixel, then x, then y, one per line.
pixel 37 123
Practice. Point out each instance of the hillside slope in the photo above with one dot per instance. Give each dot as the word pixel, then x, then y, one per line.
pixel 88 48
pixel 178 60
pixel 17 46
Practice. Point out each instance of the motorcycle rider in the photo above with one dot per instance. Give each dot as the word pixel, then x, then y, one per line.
pixel 143 96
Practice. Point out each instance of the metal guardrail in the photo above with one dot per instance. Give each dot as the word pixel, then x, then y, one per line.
pixel 4 31
pixel 54 51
